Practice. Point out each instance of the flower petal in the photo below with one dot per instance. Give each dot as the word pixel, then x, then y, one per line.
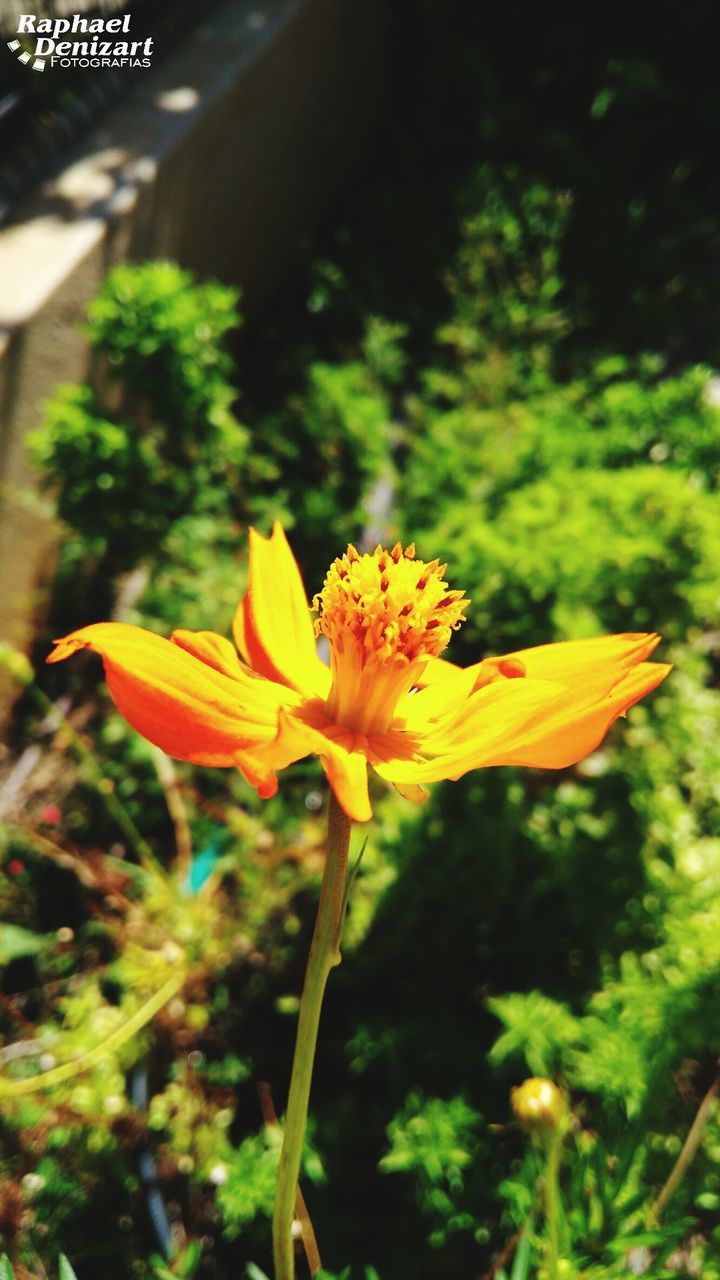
pixel 575 661
pixel 210 648
pixel 574 728
pixel 343 756
pixel 598 663
pixel 272 625
pixel 258 773
pixel 602 659
pixel 347 774
pixel 440 698
pixel 344 762
pixel 435 670
pixel 177 697
pixel 537 723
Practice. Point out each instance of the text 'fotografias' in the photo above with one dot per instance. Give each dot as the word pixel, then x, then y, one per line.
pixel 79 41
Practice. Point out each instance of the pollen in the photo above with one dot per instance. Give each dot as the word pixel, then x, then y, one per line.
pixel 388 606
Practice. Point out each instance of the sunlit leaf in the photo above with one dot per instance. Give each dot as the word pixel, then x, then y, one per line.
pixel 16 942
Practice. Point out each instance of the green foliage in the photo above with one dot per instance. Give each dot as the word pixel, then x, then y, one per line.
pixel 154 436
pixel 247 1189
pixel 250 1186
pixel 536 1027
pixel 65 1271
pixel 616 414
pixel 617 864
pixel 321 453
pixel 654 1010
pixel 523 348
pixel 254 1273
pixel 185 1263
pixel 585 552
pixel 565 505
pixel 433 1135
pixel 147 460
pixel 603 1226
pixel 368 1273
pixel 435 1141
pixel 16 942
pixel 504 284
pixel 164 334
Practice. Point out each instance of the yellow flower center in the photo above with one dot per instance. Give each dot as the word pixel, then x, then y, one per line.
pixel 384 615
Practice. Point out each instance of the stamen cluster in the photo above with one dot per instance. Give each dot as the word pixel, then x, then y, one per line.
pixel 390 604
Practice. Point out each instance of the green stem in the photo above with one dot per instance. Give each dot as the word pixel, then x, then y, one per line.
pixel 324 955
pixel 552 1204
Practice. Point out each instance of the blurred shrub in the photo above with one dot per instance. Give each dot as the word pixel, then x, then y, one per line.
pixel 163 334
pixel 620 414
pixel 572 493
pixel 582 552
pixel 504 286
pixel 323 451
pixel 148 461
pixel 154 437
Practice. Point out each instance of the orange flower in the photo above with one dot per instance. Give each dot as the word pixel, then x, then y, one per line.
pixel 387 698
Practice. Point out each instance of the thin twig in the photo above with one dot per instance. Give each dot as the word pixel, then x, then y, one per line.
pixel 505 1256
pixel 68 1070
pixel 692 1142
pixel 309 1239
pixel 104 786
pixel 63 857
pixel 174 799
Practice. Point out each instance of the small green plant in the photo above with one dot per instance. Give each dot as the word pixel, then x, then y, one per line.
pixel 184 1265
pixel 435 1142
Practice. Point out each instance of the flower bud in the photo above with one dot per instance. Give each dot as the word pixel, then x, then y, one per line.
pixel 539 1106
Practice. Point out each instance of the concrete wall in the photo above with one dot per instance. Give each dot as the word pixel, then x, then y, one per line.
pixel 218 158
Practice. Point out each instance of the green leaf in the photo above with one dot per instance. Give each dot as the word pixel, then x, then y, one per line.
pixel 536 1028
pixel 16 942
pixel 66 1271
pixel 351 880
pixel 186 1265
pixel 522 1258
pixel 6 1271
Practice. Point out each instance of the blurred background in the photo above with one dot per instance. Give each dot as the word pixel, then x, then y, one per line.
pixel 447 273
